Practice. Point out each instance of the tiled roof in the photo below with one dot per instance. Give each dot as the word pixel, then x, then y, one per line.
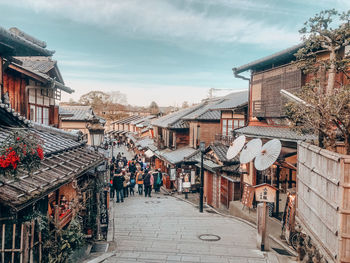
pixel 207 164
pixel 19 46
pixel 174 120
pixel 79 113
pixel 127 119
pixel 144 143
pixel 55 171
pixel 220 151
pixel 145 119
pixel 178 155
pixel 232 100
pixel 52 142
pixel 285 134
pixel 210 115
pixel 203 111
pixel 40 66
pixel 65 158
pixel 9 117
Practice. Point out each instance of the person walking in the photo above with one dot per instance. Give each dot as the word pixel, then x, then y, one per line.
pixel 158 181
pixel 126 184
pixel 132 184
pixel 139 181
pixel 118 180
pixel 147 183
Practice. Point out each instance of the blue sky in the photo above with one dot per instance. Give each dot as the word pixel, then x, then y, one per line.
pixel 168 51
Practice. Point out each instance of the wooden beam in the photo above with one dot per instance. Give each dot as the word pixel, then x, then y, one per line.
pixel 28 73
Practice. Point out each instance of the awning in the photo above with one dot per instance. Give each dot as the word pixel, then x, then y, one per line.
pixel 149 153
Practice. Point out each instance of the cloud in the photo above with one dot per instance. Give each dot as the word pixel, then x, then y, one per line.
pixel 161 19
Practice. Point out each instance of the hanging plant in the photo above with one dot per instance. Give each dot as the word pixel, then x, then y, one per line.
pixel 20 149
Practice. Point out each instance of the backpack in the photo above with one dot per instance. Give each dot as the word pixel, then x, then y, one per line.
pixel 132 181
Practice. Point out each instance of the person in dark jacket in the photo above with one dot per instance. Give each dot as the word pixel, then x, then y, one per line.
pixel 118 180
pixel 147 183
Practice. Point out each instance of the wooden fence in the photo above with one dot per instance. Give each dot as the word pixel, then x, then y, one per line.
pixel 20 243
pixel 323 199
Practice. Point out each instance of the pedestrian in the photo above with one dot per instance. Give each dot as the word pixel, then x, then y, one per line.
pixel 118 181
pixel 139 181
pixel 147 183
pixel 132 184
pixel 158 181
pixel 111 189
pixel 126 184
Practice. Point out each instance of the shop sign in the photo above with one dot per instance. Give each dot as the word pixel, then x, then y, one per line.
pixel 265 193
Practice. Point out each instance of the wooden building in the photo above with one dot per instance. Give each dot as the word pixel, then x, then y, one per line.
pixel 31 83
pixel 267 120
pixel 77 118
pixel 66 176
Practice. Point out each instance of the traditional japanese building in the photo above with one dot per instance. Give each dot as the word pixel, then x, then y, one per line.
pixel 78 118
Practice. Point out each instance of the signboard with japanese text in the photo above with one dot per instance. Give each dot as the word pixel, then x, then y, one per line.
pixel 265 193
pixel 248 195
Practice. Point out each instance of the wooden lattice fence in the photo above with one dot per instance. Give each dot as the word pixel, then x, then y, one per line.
pixel 323 199
pixel 20 243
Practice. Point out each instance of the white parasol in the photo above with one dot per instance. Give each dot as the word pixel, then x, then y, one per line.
pixel 268 154
pixel 250 151
pixel 236 147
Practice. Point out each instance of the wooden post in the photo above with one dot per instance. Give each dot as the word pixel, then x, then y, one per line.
pixel 3 243
pixel 21 245
pixel 40 247
pixel 25 243
pixel 98 216
pixel 262 240
pixel 13 242
pixel 31 259
pixel 278 191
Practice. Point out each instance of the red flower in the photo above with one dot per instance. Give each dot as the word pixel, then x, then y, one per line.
pixel 18 138
pixel 40 152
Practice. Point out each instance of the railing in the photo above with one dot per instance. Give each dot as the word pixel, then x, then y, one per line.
pixel 225 139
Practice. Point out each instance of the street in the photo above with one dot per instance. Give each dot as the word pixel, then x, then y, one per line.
pixel 166 229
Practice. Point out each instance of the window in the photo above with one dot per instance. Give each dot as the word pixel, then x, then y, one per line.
pixel 46 116
pixel 229 127
pixel 241 123
pixel 224 127
pixel 39 114
pixel 32 113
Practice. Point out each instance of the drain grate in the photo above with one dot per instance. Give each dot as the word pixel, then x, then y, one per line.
pixel 209 237
pixel 99 247
pixel 282 251
pixel 210 211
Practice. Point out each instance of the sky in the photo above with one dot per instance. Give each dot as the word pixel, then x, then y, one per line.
pixel 167 51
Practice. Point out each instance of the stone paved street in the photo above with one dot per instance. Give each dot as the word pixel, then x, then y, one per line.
pixel 165 229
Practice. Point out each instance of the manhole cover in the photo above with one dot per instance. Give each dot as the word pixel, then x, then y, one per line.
pixel 99 247
pixel 209 237
pixel 152 202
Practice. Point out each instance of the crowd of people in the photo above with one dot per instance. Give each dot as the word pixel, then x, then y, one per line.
pixel 127 174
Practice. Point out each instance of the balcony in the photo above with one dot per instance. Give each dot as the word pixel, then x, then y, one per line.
pixel 224 139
